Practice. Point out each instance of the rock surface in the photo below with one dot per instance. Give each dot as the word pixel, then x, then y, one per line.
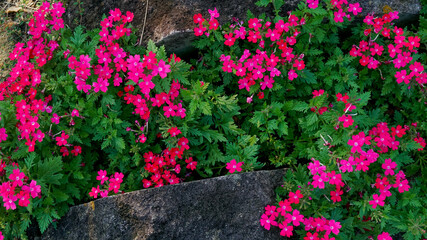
pixel 227 207
pixel 170 22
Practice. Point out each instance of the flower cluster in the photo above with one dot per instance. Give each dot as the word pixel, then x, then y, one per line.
pixel 18 189
pixel 321 227
pixel 116 65
pixel 340 9
pixel 165 167
pixel 111 184
pixel 25 76
pixel 204 25
pixel 400 50
pixel 263 66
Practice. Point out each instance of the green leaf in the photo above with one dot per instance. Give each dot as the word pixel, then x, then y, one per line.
pixel 300 106
pixel 59 196
pixel 262 3
pixel 48 171
pixel 29 161
pixel 205 107
pixel 119 143
pixel 79 37
pixel 283 128
pixel 44 219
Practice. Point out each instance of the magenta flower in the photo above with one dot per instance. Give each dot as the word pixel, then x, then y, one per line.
pixel 266 221
pixel 75 113
pixel 101 85
pixel 3 135
pixel 378 200
pixel 295 197
pixel 295 218
pixel 33 189
pixel 336 195
pixel 284 206
pixel 347 120
pixel 24 199
pixel 233 166
pixel 102 176
pixel 332 226
pixel 286 230
pixel 16 177
pixel 384 236
pixel 389 166
pixel 94 192
pixel 162 69
pixel 319 180
pixel 62 140
pixel 402 186
pixel 9 202
pixel 354 8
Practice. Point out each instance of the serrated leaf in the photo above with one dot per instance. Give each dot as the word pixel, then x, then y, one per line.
pixel 44 219
pixel 300 106
pixel 48 171
pixel 119 143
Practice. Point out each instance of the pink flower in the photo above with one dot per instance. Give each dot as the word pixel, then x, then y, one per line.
pixel 3 135
pixel 114 186
pixel 317 93
pixel 384 236
pixel 354 8
pixel 55 118
pixel 24 199
pixel 174 131
pixel 292 74
pixel 9 202
pixel 77 150
pixel 295 218
pixel 356 143
pixel 286 230
pixel 101 85
pixel 389 167
pixel 94 192
pixel 162 69
pixel 102 176
pixel 62 140
pixel 233 166
pixel 336 195
pixel 284 206
pixel 295 197
pixel 311 236
pixel 378 200
pixel 104 193
pixel 402 185
pixel 266 221
pixel 332 226
pixel 347 120
pixel 338 16
pixel 335 179
pixel 75 113
pixel 319 180
pixel 33 189
pixel 16 177
pixel 315 167
pixel 402 77
pixel 214 13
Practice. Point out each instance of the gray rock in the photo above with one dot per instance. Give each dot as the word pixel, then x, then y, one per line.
pixel 227 207
pixel 170 22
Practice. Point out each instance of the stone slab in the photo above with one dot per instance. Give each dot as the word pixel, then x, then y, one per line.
pixel 227 207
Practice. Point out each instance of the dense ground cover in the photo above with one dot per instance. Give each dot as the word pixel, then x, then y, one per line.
pixel 89 113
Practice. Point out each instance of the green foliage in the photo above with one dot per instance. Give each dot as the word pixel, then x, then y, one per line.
pixel 282 125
